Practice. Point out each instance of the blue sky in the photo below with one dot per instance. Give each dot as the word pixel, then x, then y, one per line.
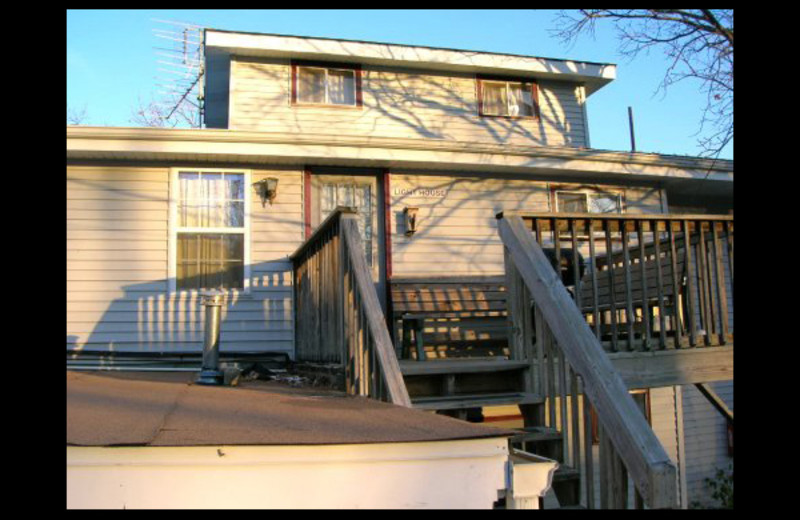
pixel 111 61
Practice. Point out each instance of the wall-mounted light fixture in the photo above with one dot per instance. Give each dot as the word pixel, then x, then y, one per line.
pixel 410 215
pixel 267 189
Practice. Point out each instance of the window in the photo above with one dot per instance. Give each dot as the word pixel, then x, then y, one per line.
pixel 209 222
pixel 507 98
pixel 326 85
pixel 642 400
pixel 588 202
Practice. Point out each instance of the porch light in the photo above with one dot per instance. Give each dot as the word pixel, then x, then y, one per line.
pixel 410 215
pixel 267 189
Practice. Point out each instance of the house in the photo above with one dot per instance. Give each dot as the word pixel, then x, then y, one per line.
pixel 454 181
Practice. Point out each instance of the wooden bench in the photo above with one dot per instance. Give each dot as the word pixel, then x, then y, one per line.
pixel 468 316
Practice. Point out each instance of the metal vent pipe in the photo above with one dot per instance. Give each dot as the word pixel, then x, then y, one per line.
pixel 210 374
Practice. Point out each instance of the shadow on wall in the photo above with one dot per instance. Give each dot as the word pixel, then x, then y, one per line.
pixel 429 105
pixel 148 318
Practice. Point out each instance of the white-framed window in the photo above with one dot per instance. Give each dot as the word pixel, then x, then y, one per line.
pixel 506 98
pixel 209 224
pixel 588 202
pixel 325 86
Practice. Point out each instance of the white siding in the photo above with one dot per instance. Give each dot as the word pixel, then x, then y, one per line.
pixel 401 103
pixel 117 236
pixel 457 229
pixel 705 433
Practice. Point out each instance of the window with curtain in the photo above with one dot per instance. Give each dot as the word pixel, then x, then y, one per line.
pixel 506 98
pixel 326 86
pixel 210 230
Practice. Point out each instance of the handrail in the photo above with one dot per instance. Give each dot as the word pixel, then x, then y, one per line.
pixel 338 317
pixel 565 341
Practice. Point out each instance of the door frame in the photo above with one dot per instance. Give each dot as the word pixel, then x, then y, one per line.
pixel 382 210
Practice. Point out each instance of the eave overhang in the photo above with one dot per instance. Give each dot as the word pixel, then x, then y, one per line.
pixel 207 146
pixel 592 75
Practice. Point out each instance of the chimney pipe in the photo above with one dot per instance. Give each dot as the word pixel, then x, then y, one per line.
pixel 630 124
pixel 210 374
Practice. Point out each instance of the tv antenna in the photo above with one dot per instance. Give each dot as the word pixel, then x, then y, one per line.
pixel 181 67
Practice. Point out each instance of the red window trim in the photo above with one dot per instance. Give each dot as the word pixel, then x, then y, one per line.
pixel 355 67
pixel 534 86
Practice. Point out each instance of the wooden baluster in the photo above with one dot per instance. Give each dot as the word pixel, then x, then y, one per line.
pixel 619 483
pixel 642 266
pixel 595 295
pixel 676 315
pixel 611 289
pixel 605 468
pixel 706 294
pixel 722 295
pixel 551 375
pixel 576 428
pixel 557 246
pixel 576 271
pixel 562 391
pixel 687 240
pixel 588 447
pixel 540 351
pixel 638 501
pixel 662 325
pixel 626 264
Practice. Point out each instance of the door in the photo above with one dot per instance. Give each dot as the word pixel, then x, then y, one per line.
pixel 364 192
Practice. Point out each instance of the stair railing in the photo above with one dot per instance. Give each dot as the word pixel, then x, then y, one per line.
pixel 567 359
pixel 338 317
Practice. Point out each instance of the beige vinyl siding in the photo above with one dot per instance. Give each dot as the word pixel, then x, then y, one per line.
pixel 117 254
pixel 400 103
pixel 706 440
pixel 457 232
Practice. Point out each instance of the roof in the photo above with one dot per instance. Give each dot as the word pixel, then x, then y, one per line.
pixel 594 75
pixel 166 409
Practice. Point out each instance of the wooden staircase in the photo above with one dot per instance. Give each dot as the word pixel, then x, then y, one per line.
pixel 554 367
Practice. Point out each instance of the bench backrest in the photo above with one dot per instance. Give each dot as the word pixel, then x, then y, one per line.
pixel 469 312
pixel 636 280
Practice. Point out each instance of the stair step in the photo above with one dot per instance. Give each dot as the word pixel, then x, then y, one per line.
pixel 537 434
pixel 459 366
pixel 453 402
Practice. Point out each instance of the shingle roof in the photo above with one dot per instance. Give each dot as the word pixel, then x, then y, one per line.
pixel 165 409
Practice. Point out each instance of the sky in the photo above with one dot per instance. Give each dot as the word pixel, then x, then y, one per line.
pixel 111 61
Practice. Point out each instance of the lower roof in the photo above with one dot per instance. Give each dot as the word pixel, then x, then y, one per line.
pixel 215 146
pixel 166 409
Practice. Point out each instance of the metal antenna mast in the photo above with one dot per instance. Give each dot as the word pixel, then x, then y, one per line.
pixel 181 69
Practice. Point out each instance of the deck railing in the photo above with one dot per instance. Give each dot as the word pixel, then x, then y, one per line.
pixel 640 287
pixel 569 362
pixel 338 317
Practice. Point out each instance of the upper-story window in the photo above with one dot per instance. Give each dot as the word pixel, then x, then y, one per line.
pixel 507 98
pixel 321 84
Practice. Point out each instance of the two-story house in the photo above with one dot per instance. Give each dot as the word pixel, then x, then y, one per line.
pixel 433 158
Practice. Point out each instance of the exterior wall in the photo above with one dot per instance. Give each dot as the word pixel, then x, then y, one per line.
pixel 457 228
pixel 117 254
pixel 443 475
pixel 400 103
pixel 705 434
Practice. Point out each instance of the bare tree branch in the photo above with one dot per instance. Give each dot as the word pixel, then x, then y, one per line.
pixel 77 116
pixel 698 44
pixel 161 115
